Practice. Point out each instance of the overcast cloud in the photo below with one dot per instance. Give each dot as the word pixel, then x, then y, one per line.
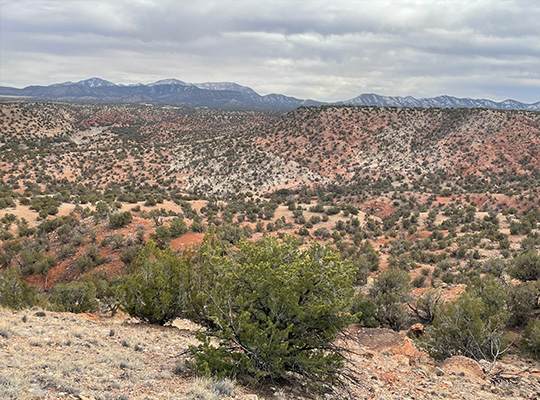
pixel 329 51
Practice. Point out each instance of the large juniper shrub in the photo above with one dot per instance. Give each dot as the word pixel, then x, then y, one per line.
pixel 275 309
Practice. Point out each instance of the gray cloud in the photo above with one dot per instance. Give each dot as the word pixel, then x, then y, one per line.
pixel 327 50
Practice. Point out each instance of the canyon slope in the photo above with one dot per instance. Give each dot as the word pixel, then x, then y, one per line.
pixel 219 151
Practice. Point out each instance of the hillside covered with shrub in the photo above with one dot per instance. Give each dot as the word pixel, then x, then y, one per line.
pixel 292 246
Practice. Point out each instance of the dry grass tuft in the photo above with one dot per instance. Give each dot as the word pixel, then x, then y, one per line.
pixel 209 389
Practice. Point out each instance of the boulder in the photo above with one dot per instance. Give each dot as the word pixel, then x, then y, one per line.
pixel 416 330
pixel 464 366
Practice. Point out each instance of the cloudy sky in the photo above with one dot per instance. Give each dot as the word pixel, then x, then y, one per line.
pixel 329 50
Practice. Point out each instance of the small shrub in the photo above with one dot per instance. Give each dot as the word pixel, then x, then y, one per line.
pixel 90 259
pixel 390 290
pixel 180 369
pixel 77 240
pixel 36 262
pixel 107 290
pixel 445 265
pixel 419 281
pixel 523 302
pixel 117 241
pixel 66 251
pixel 161 236
pixel 531 339
pixel 120 220
pixel 197 227
pixel 14 292
pixel 5 332
pixel 76 297
pixel 365 310
pixel 128 257
pixel 526 267
pixel 494 267
pixel 472 326
pixel 177 227
pixel 84 263
pixel 155 293
pixel 427 306
pixel 448 277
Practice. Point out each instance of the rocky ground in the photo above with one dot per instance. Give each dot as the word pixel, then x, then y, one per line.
pixel 391 367
pixel 47 355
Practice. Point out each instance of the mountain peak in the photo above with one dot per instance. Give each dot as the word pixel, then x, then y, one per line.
pixel 95 82
pixel 170 81
pixel 235 87
pixel 67 83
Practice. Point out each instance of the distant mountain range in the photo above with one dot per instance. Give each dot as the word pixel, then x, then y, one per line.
pixel 438 102
pixel 227 95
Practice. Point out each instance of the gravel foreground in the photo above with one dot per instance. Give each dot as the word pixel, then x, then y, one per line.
pixel 48 355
